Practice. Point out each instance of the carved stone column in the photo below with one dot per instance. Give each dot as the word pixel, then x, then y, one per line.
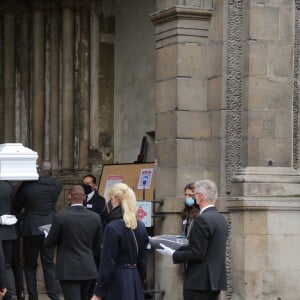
pixel 54 86
pixel 9 78
pixel 38 82
pixel 182 119
pixel 94 73
pixel 262 185
pixel 68 89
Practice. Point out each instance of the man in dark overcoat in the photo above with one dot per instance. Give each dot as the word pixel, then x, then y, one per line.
pixel 77 233
pixel 205 275
pixel 38 199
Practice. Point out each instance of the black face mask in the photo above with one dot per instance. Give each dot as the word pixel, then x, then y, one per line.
pixel 87 188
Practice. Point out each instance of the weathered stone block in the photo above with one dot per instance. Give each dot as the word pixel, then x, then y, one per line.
pixel 214 93
pixel 214 60
pixel 192 124
pixel 261 17
pixel 166 95
pixel 265 94
pixel 287 23
pixel 184 149
pixel 167 61
pixel 166 152
pixel 280 60
pixel 192 61
pixel 192 94
pixel 166 125
pixel 257 58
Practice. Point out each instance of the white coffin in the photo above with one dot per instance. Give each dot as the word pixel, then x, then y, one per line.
pixel 17 162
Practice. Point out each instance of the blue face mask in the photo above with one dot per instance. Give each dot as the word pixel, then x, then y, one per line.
pixel 189 201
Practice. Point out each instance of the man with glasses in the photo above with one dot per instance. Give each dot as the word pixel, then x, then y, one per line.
pixel 205 275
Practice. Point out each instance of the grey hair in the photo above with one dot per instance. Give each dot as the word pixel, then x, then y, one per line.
pixel 208 189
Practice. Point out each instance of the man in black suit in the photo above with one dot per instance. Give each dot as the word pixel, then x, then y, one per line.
pixel 77 233
pixel 94 201
pixel 205 275
pixel 38 199
pixel 7 235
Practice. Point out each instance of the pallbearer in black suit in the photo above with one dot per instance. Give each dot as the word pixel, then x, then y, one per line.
pixel 2 273
pixel 76 232
pixel 205 275
pixel 7 236
pixel 38 199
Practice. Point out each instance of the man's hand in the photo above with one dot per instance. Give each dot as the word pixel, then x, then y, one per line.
pixel 8 220
pixel 166 250
pixel 2 292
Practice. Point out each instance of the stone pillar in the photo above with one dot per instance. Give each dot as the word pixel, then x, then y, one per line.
pixel 67 89
pixel 23 78
pixel 182 120
pixel 84 88
pixel 54 107
pixel 9 77
pixel 262 184
pixel 94 75
pixel 38 82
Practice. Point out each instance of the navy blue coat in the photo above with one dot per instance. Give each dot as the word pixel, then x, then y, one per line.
pixel 122 270
pixel 205 254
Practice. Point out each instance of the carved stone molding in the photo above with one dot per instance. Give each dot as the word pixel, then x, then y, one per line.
pixel 296 98
pixel 234 89
pixel 167 15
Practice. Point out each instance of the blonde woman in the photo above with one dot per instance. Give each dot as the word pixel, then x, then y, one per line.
pixel 123 258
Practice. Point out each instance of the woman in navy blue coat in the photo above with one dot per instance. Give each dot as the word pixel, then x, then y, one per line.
pixel 123 258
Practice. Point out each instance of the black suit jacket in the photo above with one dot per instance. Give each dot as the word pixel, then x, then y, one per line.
pixel 98 204
pixel 7 232
pixel 39 199
pixel 2 268
pixel 77 233
pixel 205 254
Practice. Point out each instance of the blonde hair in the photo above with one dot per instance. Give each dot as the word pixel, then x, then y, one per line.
pixel 126 196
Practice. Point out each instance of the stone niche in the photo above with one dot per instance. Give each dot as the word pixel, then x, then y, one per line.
pixel 17 162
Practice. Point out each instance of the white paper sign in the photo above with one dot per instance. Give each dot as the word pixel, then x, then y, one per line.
pixel 145 179
pixel 111 179
pixel 144 213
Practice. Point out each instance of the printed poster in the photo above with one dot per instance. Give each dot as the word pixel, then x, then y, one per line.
pixel 111 179
pixel 145 179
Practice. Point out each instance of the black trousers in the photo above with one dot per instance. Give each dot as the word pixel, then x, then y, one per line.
pixel 33 246
pixel 10 281
pixel 75 289
pixel 200 295
pixel 17 267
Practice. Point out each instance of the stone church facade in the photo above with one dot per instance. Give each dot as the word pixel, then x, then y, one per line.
pixel 213 85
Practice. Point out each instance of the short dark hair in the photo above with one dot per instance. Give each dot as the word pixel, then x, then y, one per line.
pixel 91 176
pixel 190 186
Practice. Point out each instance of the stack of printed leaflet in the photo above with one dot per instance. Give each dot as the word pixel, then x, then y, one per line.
pixel 171 241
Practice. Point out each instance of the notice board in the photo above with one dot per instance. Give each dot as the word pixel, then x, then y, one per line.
pixel 139 176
